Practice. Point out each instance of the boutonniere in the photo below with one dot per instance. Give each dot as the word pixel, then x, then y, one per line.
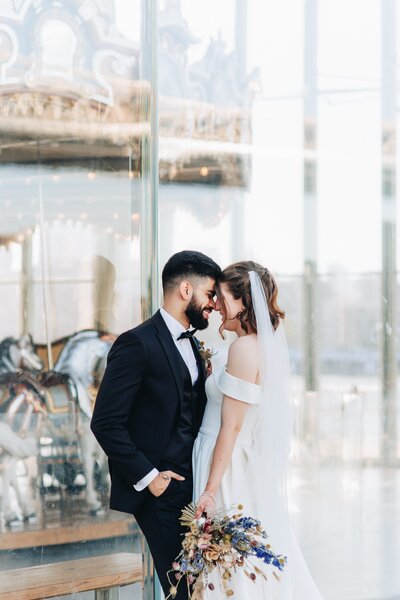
pixel 206 354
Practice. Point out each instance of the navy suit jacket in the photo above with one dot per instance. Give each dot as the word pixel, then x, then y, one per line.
pixel 138 406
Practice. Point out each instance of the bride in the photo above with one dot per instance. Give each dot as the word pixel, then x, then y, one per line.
pixel 241 452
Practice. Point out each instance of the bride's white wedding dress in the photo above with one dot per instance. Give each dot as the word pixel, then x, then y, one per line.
pixel 242 483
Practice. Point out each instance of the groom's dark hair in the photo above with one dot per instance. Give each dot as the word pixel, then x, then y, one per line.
pixel 188 264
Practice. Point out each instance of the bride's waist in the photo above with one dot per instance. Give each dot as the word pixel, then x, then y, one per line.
pixel 245 440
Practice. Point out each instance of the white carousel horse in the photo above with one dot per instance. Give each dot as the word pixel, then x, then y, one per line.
pixel 18 440
pixel 83 359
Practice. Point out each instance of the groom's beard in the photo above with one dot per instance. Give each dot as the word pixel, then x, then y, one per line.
pixel 194 313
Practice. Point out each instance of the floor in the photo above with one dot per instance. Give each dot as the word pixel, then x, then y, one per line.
pixel 347 521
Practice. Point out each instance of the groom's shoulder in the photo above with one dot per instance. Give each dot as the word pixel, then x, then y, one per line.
pixel 142 330
pixel 144 333
pixel 138 334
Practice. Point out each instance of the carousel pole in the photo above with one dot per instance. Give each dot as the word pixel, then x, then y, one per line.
pixel 149 161
pixel 26 276
pixel 149 211
pixel 44 264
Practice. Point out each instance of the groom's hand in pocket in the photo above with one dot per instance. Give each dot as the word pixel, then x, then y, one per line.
pixel 160 483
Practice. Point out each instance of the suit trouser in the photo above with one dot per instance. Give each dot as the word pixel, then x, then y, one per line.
pixel 158 518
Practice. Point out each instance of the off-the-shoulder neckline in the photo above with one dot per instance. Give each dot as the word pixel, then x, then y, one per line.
pixel 257 385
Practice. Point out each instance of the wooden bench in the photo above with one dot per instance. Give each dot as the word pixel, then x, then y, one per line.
pixel 54 532
pixel 103 574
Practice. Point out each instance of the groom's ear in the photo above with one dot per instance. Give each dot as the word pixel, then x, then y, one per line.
pixel 186 290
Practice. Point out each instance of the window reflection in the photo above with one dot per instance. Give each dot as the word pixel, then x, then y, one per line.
pixel 56 50
pixel 72 113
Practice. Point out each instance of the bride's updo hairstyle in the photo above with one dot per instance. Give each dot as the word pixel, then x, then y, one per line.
pixel 236 277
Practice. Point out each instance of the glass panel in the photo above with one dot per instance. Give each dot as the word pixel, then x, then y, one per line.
pixel 272 147
pixel 72 113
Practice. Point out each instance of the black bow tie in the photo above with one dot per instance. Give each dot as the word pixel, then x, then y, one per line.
pixel 187 334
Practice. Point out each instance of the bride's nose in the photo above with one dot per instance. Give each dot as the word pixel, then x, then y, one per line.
pixel 217 304
pixel 212 303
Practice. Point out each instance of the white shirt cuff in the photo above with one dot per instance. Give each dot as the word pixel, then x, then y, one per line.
pixel 143 483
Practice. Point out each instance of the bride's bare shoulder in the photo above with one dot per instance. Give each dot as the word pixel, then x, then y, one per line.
pixel 243 358
pixel 244 343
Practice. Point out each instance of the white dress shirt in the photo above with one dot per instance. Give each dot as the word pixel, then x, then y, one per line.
pixel 186 351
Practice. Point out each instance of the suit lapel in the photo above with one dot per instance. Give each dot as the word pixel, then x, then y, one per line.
pixel 171 352
pixel 200 364
pixel 201 398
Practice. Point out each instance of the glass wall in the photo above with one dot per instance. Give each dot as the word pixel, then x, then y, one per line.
pixel 277 142
pixel 73 112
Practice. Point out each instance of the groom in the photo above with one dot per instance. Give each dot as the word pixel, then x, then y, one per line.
pixel 150 406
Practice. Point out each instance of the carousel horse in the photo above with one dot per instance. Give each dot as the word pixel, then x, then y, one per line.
pixel 18 355
pixel 21 411
pixel 36 403
pixel 83 359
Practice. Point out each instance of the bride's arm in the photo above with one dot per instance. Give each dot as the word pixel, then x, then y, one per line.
pixel 242 364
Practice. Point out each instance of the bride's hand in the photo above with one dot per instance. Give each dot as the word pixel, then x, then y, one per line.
pixel 206 504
